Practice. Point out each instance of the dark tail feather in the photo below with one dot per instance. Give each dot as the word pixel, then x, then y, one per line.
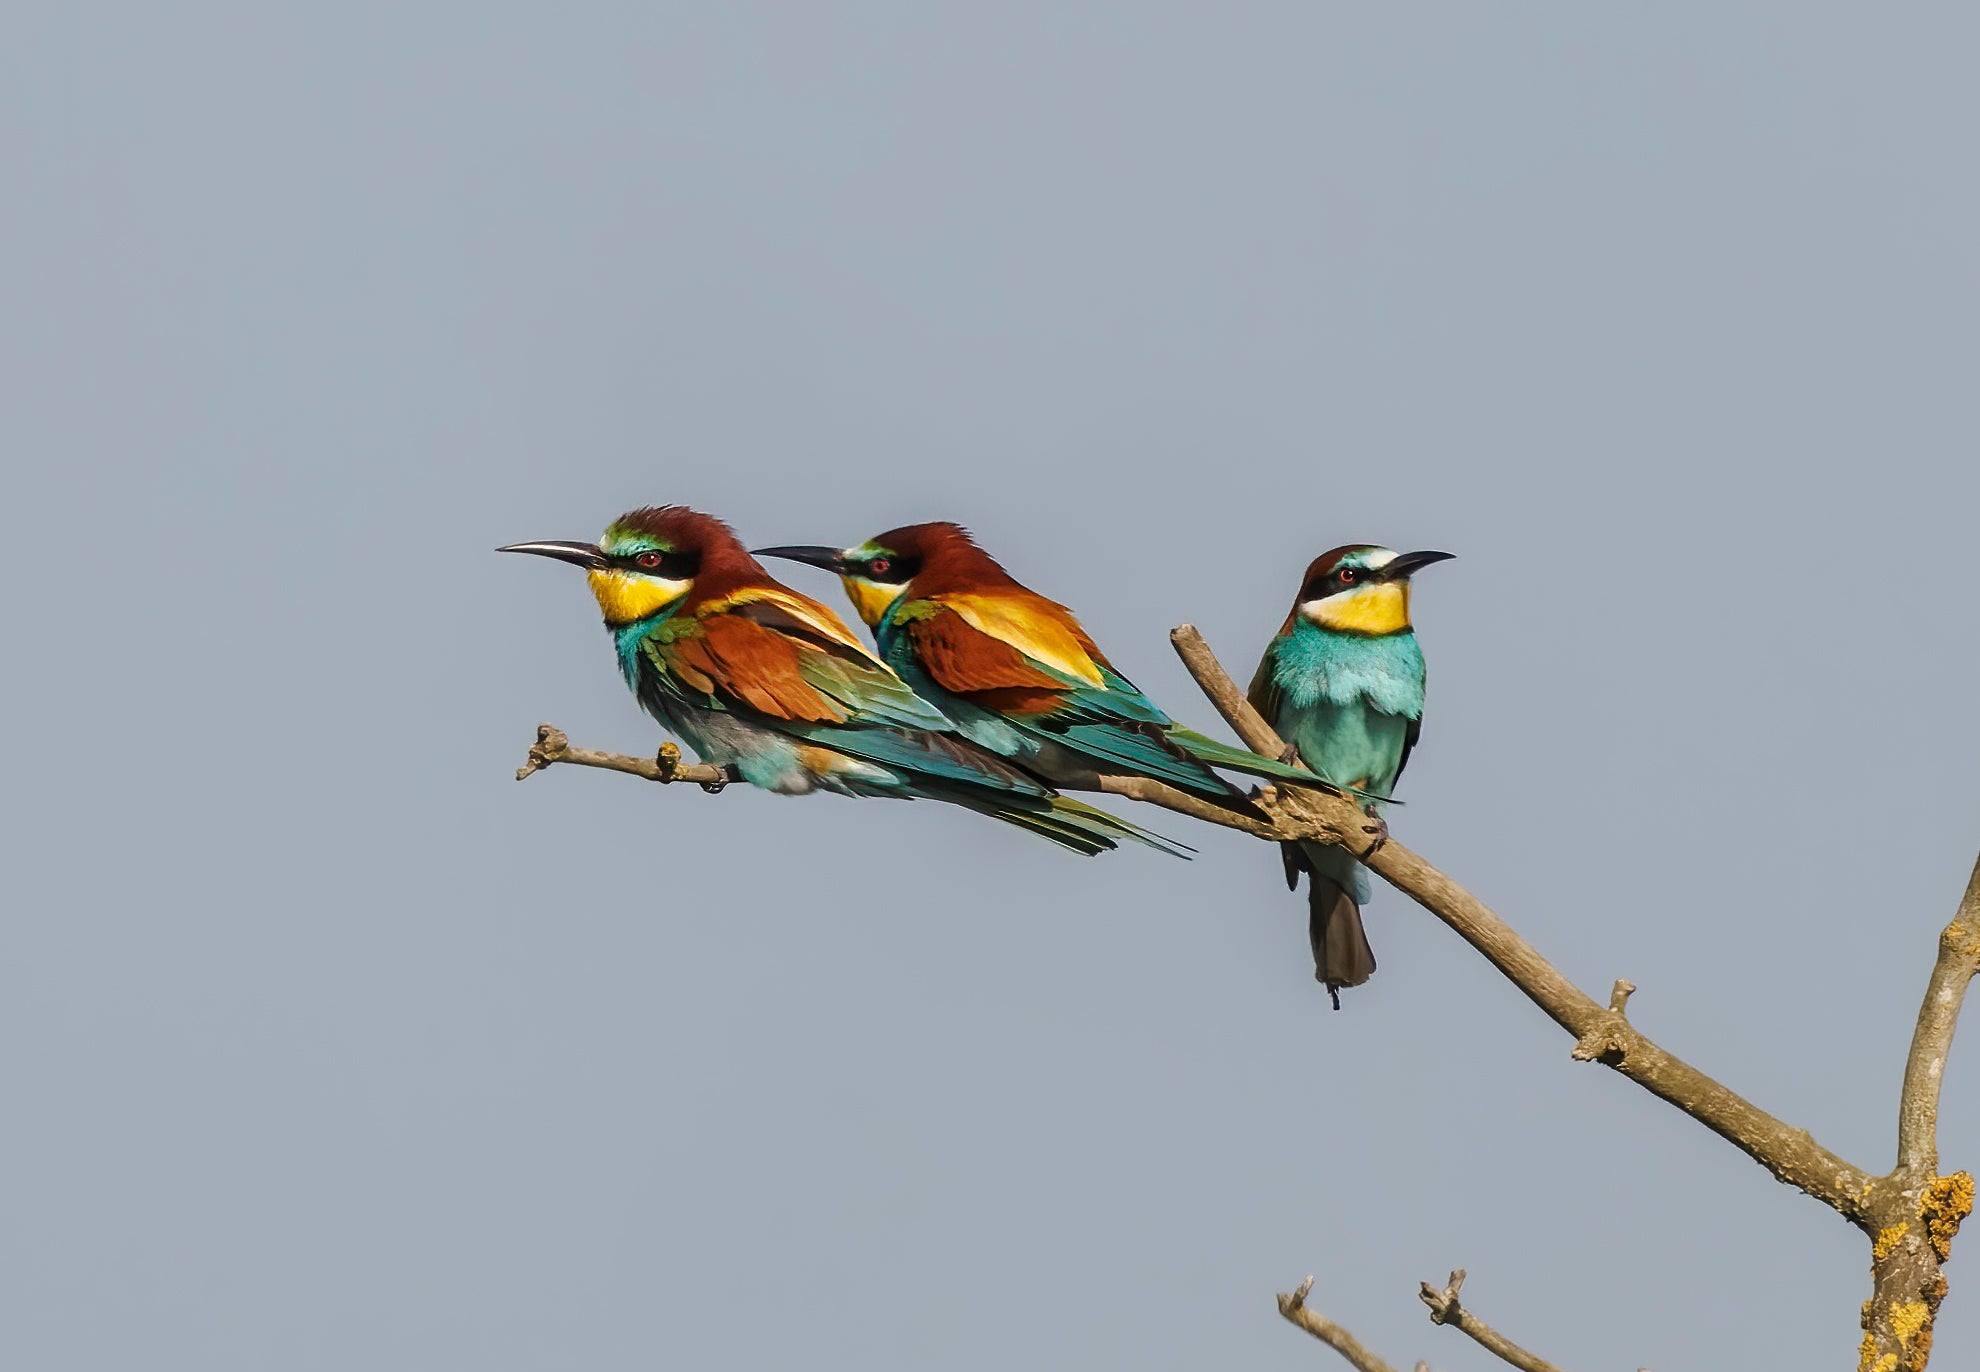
pixel 1086 829
pixel 1341 955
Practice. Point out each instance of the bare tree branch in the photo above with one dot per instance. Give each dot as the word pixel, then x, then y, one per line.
pixel 1152 792
pixel 1918 1211
pixel 1602 1034
pixel 1911 1215
pixel 553 746
pixel 1216 683
pixel 1294 1308
pixel 1445 1309
pixel 1918 1107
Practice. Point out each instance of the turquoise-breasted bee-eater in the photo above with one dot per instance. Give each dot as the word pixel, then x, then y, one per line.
pixel 1017 672
pixel 773 687
pixel 1343 685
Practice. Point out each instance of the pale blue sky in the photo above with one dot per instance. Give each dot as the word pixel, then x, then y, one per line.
pixel 329 1046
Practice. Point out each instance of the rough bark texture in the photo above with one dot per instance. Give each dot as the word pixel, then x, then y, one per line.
pixel 1916 1211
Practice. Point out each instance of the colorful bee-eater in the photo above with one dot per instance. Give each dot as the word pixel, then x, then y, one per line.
pixel 772 686
pixel 1343 685
pixel 1015 671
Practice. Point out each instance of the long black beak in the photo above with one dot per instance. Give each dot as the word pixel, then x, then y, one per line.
pixel 831 559
pixel 583 554
pixel 1405 564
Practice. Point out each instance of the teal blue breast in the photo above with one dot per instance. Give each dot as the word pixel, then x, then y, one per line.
pixel 1346 701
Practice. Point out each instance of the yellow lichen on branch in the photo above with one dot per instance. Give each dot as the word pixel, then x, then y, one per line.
pixel 1948 1200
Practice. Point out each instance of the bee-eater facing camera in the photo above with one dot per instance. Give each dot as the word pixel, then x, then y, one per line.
pixel 774 688
pixel 1017 672
pixel 1343 685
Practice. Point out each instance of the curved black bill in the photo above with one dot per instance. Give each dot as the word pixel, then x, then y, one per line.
pixel 583 554
pixel 1406 563
pixel 831 559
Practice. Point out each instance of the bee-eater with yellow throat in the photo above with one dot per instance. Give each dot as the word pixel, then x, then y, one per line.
pixel 1343 685
pixel 773 687
pixel 1017 672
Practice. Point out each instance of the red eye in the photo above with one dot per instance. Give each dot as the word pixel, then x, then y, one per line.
pixel 878 566
pixel 647 560
pixel 1349 576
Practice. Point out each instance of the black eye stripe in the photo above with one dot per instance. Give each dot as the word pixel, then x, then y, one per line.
pixel 672 566
pixel 888 569
pixel 1339 579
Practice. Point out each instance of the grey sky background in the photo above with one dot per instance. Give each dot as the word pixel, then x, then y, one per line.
pixel 328 1046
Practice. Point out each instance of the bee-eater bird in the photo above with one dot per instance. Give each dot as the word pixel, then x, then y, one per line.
pixel 1016 671
pixel 1343 685
pixel 772 686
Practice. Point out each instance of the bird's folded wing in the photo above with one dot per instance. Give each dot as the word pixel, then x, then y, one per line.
pixel 789 613
pixel 1038 629
pixel 1264 691
pixel 965 659
pixel 729 661
pixel 999 668
pixel 786 667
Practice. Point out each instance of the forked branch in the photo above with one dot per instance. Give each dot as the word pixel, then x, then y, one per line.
pixel 1911 1214
pixel 1919 1211
pixel 1445 1309
pixel 1602 1033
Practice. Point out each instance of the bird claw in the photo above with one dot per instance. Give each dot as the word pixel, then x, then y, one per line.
pixel 1380 829
pixel 668 764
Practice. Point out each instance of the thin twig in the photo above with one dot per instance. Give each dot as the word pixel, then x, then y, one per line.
pixel 1152 792
pixel 553 746
pixel 1445 1309
pixel 1294 1308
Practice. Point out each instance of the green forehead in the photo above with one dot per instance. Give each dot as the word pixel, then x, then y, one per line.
pixel 1367 557
pixel 620 541
pixel 867 550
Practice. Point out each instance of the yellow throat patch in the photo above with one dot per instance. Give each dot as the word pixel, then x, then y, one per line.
pixel 624 597
pixel 1382 608
pixel 870 599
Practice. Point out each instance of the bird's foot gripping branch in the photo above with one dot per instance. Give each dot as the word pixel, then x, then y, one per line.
pixel 1910 1215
